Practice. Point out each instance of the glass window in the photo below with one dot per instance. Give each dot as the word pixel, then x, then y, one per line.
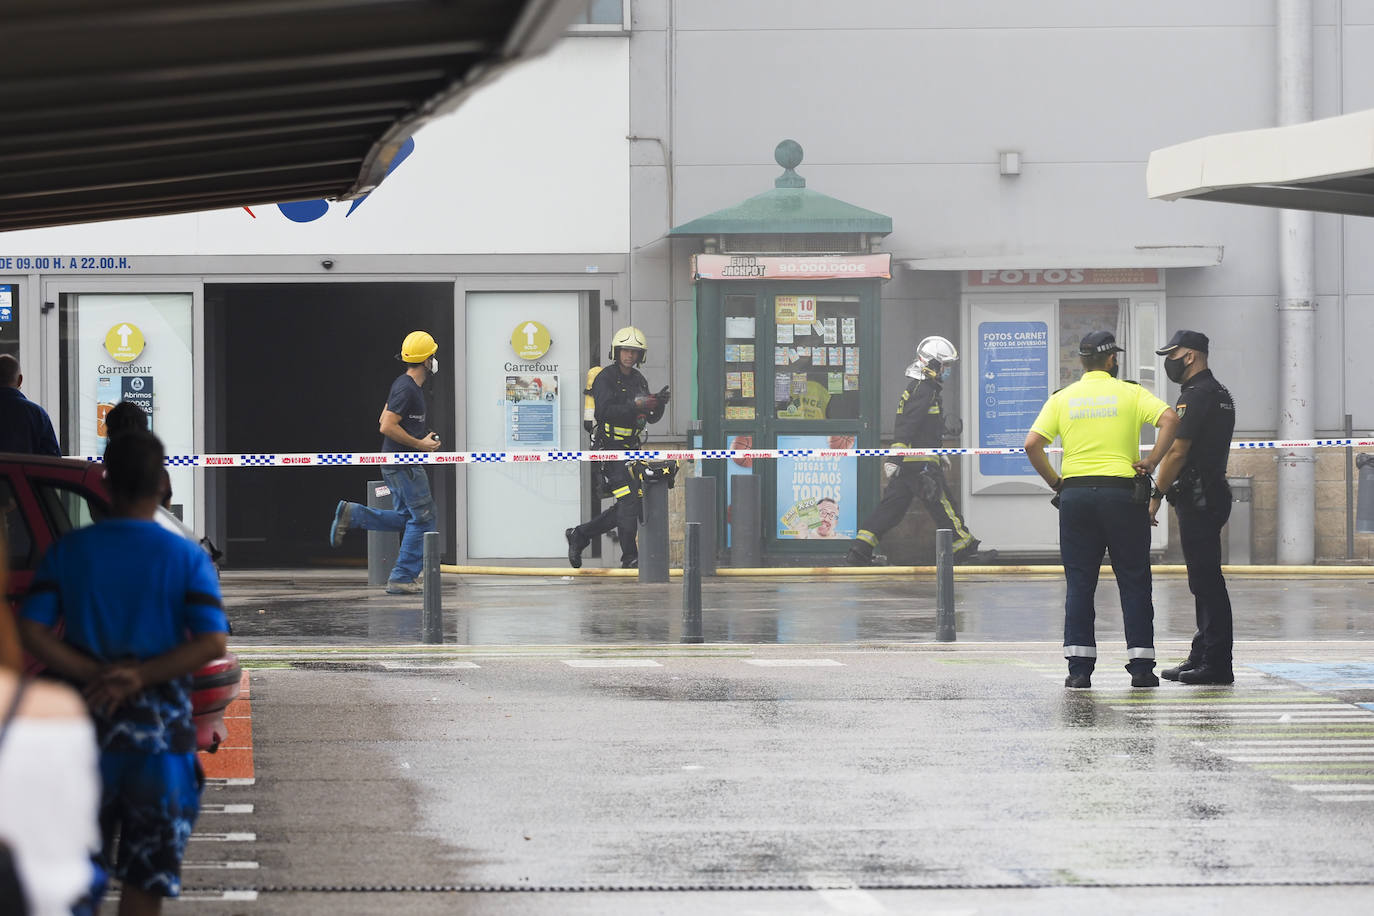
pixel 1077 317
pixel 67 508
pixel 816 357
pixel 741 355
pixel 602 12
pixel 16 528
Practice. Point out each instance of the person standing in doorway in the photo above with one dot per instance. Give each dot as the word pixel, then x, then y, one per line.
pixel 1102 498
pixel 24 425
pixel 920 424
pixel 404 429
pixel 624 407
pixel 1193 476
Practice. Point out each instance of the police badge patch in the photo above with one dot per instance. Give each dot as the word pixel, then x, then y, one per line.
pixel 1179 409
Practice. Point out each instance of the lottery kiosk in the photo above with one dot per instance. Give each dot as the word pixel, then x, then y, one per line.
pixel 787 285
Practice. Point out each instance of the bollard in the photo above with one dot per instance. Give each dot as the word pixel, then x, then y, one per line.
pixel 745 531
pixel 701 508
pixel 653 534
pixel 944 585
pixel 432 620
pixel 382 546
pixel 691 584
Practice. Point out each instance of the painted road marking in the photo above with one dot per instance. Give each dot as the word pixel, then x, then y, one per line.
pixel 420 665
pixel 224 781
pixel 220 866
pixel 226 809
pixel 1356 787
pixel 236 837
pixel 844 896
pixel 793 662
pixel 1301 758
pixel 611 663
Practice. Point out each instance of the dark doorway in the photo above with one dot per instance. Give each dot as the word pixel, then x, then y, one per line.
pixel 305 367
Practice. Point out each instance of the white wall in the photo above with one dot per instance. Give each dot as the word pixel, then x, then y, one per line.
pixel 536 162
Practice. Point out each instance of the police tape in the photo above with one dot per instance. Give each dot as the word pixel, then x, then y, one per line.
pixel 338 459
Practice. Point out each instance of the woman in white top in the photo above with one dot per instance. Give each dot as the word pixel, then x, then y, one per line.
pixel 49 784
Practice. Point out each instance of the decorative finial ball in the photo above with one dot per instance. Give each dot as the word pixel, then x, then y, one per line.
pixel 788 154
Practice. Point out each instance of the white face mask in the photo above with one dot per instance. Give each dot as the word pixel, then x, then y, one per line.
pixel 432 364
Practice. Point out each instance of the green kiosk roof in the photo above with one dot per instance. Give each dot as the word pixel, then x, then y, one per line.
pixel 787 209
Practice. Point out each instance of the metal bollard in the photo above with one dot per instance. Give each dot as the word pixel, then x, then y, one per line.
pixel 432 620
pixel 382 546
pixel 944 585
pixel 701 508
pixel 746 546
pixel 653 534
pixel 691 584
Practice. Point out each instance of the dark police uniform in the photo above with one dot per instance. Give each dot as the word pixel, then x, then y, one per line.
pixel 920 424
pixel 619 425
pixel 1098 418
pixel 1202 499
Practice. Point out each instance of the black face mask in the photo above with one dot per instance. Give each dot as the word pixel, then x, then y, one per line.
pixel 1174 368
pixel 1115 368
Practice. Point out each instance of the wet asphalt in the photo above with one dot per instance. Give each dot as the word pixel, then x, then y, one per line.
pixel 561 752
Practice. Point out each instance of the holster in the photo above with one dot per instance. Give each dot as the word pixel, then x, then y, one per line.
pixel 1188 491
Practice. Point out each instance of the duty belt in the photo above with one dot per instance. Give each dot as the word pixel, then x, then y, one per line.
pixel 1120 483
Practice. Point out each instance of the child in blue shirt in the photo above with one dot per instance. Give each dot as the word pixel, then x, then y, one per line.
pixel 142 611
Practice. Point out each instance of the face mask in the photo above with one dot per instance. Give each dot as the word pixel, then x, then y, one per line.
pixel 1174 369
pixel 1114 369
pixel 433 366
pixel 946 372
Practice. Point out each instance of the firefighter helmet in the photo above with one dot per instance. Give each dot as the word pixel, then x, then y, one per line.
pixel 629 338
pixel 933 356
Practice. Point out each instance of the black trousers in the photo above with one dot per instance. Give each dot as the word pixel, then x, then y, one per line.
pixel 1200 533
pixel 924 480
pixel 623 514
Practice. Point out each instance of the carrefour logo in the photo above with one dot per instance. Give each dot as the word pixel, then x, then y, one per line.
pixel 307 211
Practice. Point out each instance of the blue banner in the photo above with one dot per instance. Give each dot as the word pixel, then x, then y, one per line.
pixel 1013 383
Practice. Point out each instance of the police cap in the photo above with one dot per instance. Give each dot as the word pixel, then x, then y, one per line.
pixel 1095 342
pixel 1193 340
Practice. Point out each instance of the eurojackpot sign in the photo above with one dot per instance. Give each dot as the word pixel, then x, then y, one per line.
pixel 791 267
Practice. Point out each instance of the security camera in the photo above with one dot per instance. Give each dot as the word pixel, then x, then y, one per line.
pixel 327 264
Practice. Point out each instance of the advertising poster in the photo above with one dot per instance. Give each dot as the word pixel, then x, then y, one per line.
pixel 817 496
pixel 1012 385
pixel 110 390
pixel 532 412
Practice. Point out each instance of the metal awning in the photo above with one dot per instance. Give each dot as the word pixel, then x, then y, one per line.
pixel 1326 166
pixel 1141 256
pixel 119 108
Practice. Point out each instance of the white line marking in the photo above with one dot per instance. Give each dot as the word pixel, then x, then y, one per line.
pixel 1330 715
pixel 426 666
pixel 1347 787
pixel 844 896
pixel 1301 758
pixel 793 662
pixel 1318 706
pixel 611 663
pixel 1345 798
pixel 218 866
pixel 226 809
pixel 1281 742
pixel 225 837
pixel 222 781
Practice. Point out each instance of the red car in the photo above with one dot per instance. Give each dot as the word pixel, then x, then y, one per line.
pixel 44 498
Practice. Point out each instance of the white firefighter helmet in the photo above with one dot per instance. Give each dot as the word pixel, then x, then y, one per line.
pixel 933 356
pixel 629 338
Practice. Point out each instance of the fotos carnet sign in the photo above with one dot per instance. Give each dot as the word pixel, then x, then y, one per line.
pixel 1066 276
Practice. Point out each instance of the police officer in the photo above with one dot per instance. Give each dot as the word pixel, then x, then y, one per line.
pixel 920 424
pixel 1193 475
pixel 1102 498
pixel 624 407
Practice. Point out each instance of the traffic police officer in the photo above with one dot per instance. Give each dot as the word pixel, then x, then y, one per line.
pixel 1102 499
pixel 920 424
pixel 624 407
pixel 1193 475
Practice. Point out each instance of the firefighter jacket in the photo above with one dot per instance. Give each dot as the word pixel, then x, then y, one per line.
pixel 920 420
pixel 619 423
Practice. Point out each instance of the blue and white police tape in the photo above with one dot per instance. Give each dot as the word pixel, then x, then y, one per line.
pixel 335 459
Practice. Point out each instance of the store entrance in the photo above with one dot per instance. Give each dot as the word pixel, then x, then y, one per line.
pixel 305 367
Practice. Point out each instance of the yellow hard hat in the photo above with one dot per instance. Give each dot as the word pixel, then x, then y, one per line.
pixel 630 338
pixel 418 347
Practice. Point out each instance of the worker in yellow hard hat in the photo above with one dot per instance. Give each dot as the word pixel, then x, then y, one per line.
pixel 404 429
pixel 624 407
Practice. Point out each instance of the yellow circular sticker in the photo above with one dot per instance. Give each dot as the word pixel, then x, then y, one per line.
pixel 530 340
pixel 125 342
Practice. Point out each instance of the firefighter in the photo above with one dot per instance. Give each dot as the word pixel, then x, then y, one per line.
pixel 624 407
pixel 920 424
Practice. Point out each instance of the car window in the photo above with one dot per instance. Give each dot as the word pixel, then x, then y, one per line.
pixel 16 528
pixel 67 508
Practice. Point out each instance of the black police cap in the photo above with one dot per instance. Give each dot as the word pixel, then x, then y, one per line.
pixel 1193 340
pixel 1095 342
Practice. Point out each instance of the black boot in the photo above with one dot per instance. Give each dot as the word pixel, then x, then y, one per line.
pixel 1172 674
pixel 860 554
pixel 1143 674
pixel 576 544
